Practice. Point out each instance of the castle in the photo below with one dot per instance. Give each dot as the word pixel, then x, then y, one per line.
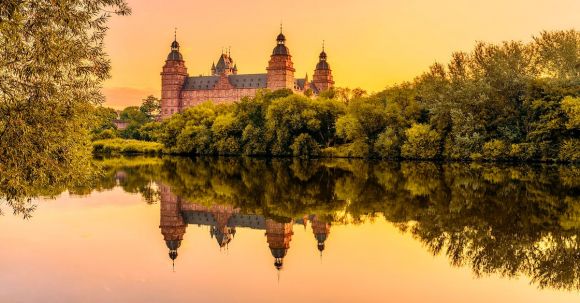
pixel 180 91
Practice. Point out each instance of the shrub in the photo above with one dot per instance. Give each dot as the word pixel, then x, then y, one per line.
pixel 422 142
pixel 304 146
pixel 495 150
pixel 571 107
pixel 105 134
pixel 387 145
pixel 570 150
pixel 522 151
pixel 126 146
pixel 253 141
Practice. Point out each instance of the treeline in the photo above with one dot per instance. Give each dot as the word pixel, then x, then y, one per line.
pixel 134 117
pixel 513 101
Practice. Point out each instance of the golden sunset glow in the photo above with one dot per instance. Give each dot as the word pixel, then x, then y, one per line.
pixel 370 43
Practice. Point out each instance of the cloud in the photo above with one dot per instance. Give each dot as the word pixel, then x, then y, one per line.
pixel 121 97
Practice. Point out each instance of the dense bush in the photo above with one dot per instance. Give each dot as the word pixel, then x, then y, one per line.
pixel 422 142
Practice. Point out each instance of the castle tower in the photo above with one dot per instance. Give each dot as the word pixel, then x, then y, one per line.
pixel 322 78
pixel 171 224
pixel 280 67
pixel 225 66
pixel 173 78
pixel 321 231
pixel 278 236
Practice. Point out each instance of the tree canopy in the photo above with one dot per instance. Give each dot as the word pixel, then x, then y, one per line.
pixel 52 64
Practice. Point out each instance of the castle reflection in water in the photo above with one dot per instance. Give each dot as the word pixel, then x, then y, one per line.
pixel 176 213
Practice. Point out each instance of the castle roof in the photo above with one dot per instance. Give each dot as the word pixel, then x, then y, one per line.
pixel 175 55
pixel 322 65
pixel 200 82
pixel 281 49
pixel 249 80
pixel 238 81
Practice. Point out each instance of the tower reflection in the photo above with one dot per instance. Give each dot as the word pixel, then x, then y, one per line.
pixel 176 214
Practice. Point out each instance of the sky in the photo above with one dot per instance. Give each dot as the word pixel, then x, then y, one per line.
pixel 370 44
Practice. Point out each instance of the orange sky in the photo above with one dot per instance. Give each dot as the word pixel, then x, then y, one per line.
pixel 370 43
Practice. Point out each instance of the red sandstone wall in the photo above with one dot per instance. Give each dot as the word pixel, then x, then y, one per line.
pixel 195 97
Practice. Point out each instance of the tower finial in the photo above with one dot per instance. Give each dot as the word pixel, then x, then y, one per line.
pixel 322 45
pixel 175 34
pixel 280 27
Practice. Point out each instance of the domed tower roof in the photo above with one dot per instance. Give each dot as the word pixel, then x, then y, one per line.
pixel 281 48
pixel 175 55
pixel 281 38
pixel 322 63
pixel 320 239
pixel 278 254
pixel 173 245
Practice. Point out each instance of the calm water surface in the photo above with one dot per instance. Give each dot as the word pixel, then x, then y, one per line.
pixel 247 230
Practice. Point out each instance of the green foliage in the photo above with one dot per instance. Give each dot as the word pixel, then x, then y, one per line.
pixel 571 107
pixel 570 150
pixel 495 150
pixel 422 142
pixel 305 147
pixel 388 145
pixel 105 134
pixel 150 107
pixel 126 146
pixel 52 65
pixel 522 151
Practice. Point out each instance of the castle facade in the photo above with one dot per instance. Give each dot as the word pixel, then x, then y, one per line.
pixel 180 91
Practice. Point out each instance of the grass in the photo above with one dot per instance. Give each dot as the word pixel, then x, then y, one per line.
pixel 126 146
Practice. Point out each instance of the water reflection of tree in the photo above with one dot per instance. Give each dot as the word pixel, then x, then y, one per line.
pixel 496 219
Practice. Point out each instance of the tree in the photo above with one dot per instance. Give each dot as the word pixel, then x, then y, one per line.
pixel 305 147
pixel 150 107
pixel 421 142
pixel 52 64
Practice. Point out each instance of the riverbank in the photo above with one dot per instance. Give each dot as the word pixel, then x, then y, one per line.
pixel 119 146
pixel 126 146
